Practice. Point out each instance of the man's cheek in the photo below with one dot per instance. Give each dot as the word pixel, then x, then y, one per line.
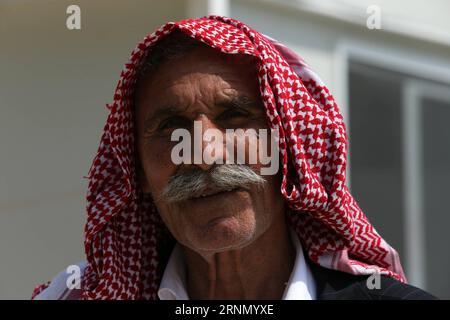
pixel 157 176
pixel 157 181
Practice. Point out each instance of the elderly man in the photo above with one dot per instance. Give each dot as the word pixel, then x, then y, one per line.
pixel 221 229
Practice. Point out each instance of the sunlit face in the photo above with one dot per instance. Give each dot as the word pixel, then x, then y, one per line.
pixel 222 92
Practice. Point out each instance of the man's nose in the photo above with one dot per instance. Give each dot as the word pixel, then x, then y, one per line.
pixel 209 143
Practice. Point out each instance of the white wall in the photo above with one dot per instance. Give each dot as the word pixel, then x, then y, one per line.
pixel 433 14
pixel 317 38
pixel 54 84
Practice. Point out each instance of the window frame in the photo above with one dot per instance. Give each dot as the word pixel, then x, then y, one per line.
pixel 430 72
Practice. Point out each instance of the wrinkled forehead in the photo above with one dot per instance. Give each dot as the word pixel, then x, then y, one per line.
pixel 196 46
pixel 187 55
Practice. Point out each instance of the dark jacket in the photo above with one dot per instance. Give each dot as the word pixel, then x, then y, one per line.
pixel 337 285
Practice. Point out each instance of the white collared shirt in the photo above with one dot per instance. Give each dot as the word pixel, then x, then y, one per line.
pixel 300 286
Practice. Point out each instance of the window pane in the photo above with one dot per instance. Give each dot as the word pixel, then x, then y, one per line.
pixel 436 160
pixel 375 149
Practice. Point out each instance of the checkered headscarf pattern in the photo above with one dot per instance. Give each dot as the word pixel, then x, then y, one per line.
pixel 127 244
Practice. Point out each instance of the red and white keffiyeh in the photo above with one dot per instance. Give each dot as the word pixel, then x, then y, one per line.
pixel 127 244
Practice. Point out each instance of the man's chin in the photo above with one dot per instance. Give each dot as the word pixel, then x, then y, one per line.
pixel 225 233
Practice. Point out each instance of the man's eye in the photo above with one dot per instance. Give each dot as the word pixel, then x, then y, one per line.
pixel 174 123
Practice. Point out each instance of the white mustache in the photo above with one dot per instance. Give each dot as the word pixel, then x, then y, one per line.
pixel 197 182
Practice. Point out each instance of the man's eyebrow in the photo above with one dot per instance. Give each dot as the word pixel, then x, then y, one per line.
pixel 240 101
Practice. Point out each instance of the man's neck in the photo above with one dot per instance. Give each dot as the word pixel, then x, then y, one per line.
pixel 257 271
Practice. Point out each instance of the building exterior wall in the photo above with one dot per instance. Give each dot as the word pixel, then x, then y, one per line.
pixel 54 84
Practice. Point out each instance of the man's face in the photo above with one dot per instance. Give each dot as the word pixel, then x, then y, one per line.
pixel 221 91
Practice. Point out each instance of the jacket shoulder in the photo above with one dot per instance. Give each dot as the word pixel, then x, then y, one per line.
pixel 338 285
pixel 392 289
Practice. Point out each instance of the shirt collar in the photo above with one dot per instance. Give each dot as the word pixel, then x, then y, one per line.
pixel 173 283
pixel 300 286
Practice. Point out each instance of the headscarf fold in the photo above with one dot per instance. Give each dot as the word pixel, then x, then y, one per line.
pixel 126 242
